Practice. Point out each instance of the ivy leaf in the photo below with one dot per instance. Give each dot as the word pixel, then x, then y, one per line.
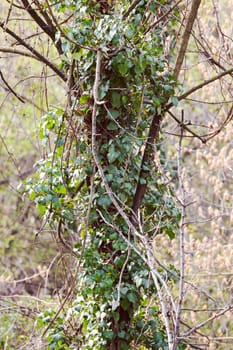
pixel 65 47
pixel 104 201
pixel 113 113
pixel 124 290
pixel 116 99
pixel 61 190
pixel 156 101
pixel 84 99
pixel 112 126
pixel 103 89
pixel 108 334
pixel 142 181
pixel 174 101
pixel 113 154
pixel 115 304
pixel 132 298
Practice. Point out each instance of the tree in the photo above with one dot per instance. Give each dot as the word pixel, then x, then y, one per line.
pixel 105 184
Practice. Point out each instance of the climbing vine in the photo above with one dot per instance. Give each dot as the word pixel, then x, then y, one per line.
pixel 102 183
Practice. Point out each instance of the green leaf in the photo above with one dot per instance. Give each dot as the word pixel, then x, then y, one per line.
pixel 108 335
pixel 142 181
pixel 65 47
pixel 124 290
pixel 84 99
pixel 61 189
pixel 156 101
pixel 113 113
pixel 112 126
pixel 132 297
pixel 32 195
pixel 168 87
pixel 129 33
pixel 115 99
pixel 123 68
pixel 103 89
pixel 104 201
pixel 113 154
pixel 122 334
pixel 174 101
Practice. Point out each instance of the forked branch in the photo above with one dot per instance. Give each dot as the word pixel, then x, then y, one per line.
pixel 33 51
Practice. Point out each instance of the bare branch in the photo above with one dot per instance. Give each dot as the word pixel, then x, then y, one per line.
pixel 200 86
pixel 147 156
pixel 131 8
pixel 182 200
pixel 184 126
pixel 185 38
pixel 213 317
pixel 204 83
pixel 18 52
pixel 48 27
pixel 10 88
pixel 40 57
pixel 165 15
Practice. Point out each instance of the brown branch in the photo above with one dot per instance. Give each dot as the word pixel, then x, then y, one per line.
pixel 17 52
pixel 213 317
pixel 165 15
pixel 45 14
pixel 185 38
pixel 10 88
pixel 185 127
pixel 4 182
pixel 183 203
pixel 226 121
pixel 204 83
pixel 147 156
pixel 48 27
pixel 67 246
pixel 14 4
pixel 9 13
pixel 39 56
pixel 131 8
pixel 210 59
pixel 201 85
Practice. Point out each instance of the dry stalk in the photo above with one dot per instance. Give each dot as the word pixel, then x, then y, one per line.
pixel 182 201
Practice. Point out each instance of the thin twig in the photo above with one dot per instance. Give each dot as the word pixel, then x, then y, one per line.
pixel 10 88
pixel 181 238
pixel 47 26
pixel 40 57
pixel 204 83
pixel 131 8
pixel 162 300
pixel 202 324
pixel 200 86
pixel 184 126
pixel 162 17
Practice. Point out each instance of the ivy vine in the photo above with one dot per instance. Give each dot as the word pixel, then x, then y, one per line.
pixel 115 305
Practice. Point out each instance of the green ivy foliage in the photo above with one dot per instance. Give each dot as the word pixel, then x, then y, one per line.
pixel 114 285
